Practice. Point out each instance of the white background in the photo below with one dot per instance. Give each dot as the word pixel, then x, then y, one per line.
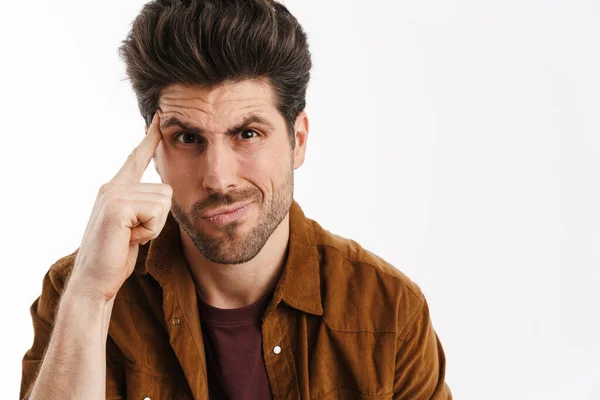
pixel 459 140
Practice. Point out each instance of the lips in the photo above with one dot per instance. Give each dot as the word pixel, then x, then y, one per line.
pixel 224 210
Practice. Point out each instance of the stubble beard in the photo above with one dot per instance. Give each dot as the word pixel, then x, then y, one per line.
pixel 232 246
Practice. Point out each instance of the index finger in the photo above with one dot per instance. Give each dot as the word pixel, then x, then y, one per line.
pixel 137 162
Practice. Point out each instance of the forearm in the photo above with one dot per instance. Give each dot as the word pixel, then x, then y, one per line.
pixel 74 365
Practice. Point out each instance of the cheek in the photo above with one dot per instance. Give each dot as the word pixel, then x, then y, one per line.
pixel 268 162
pixel 269 171
pixel 255 170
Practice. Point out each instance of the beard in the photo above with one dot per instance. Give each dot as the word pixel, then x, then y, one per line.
pixel 231 246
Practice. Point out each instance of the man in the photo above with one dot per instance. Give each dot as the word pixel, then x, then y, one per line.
pixel 214 284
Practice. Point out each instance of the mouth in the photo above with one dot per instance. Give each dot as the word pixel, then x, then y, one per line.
pixel 226 215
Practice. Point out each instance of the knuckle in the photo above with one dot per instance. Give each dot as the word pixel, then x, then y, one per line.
pixel 110 196
pixel 114 204
pixel 157 209
pixel 168 189
pixel 107 187
pixel 166 200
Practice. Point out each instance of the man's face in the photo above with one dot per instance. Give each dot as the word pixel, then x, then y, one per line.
pixel 223 147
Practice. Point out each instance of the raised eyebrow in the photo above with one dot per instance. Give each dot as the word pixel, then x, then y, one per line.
pixel 173 121
pixel 250 119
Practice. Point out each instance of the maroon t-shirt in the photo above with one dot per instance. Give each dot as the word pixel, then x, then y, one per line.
pixel 234 356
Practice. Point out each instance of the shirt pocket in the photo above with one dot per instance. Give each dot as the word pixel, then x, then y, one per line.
pixel 355 364
pixel 143 383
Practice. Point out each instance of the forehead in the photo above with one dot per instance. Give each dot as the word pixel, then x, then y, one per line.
pixel 228 99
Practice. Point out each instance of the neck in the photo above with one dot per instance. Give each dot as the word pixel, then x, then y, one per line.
pixel 233 286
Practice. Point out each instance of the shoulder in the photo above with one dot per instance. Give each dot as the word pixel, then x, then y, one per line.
pixel 362 291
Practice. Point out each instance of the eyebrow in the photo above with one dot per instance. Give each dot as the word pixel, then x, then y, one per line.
pixel 249 119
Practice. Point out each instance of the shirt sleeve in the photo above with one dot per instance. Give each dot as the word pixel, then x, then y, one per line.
pixel 420 360
pixel 43 312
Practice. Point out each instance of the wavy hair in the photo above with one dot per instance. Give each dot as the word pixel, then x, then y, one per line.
pixel 209 42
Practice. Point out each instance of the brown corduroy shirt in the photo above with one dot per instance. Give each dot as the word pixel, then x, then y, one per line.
pixel 342 324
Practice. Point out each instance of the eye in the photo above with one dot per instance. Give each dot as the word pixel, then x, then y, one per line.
pixel 188 138
pixel 252 133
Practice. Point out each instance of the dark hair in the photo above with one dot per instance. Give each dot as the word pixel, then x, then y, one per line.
pixel 208 42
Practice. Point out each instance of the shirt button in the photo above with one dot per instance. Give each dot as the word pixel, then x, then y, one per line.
pixel 276 349
pixel 176 321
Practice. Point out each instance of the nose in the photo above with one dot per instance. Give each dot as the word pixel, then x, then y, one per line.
pixel 219 168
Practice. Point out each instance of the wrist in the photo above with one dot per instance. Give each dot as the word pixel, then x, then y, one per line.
pixel 86 307
pixel 80 289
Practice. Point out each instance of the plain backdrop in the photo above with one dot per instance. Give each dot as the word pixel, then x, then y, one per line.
pixel 457 139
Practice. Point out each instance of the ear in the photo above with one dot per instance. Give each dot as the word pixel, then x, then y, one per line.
pixel 301 137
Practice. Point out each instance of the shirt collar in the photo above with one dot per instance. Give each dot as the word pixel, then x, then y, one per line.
pixel 299 285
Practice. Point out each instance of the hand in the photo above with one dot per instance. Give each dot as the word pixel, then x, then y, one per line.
pixel 126 213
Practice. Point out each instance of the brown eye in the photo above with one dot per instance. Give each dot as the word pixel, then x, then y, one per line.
pixel 188 138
